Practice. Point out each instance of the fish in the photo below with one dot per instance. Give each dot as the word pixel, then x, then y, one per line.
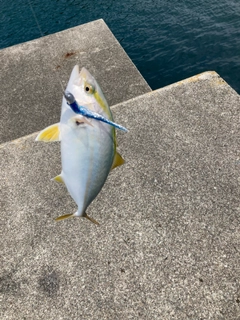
pixel 88 146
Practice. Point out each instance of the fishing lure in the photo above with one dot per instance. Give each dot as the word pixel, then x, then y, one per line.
pixel 87 113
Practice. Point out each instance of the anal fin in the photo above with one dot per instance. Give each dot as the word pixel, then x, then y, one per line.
pixel 58 179
pixel 49 134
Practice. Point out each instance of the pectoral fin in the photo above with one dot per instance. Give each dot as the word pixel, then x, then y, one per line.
pixel 58 179
pixel 49 134
pixel 117 161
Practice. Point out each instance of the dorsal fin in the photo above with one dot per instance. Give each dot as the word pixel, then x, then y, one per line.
pixel 117 161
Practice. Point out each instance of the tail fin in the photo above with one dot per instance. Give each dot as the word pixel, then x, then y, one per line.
pixel 71 215
pixel 91 219
pixel 65 216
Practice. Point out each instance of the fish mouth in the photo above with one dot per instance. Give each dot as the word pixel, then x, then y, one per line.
pixel 85 74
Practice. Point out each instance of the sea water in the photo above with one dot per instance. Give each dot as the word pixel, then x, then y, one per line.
pixel 167 40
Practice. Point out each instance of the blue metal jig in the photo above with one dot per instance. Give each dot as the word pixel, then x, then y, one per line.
pixel 87 113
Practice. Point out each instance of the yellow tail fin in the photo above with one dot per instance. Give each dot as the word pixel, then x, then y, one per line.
pixel 91 219
pixel 66 216
pixel 70 215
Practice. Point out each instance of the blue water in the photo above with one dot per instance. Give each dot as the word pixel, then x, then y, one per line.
pixel 167 40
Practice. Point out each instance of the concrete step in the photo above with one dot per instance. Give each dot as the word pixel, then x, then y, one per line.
pixel 31 93
pixel 168 241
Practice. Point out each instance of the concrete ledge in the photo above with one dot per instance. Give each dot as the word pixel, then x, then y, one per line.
pixel 168 243
pixel 30 91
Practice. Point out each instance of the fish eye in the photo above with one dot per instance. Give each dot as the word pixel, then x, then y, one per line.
pixel 89 88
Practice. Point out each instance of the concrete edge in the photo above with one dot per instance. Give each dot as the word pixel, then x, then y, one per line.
pixel 212 76
pixel 207 75
pixel 49 35
pixel 20 140
pixel 126 54
pixel 72 28
pixel 33 135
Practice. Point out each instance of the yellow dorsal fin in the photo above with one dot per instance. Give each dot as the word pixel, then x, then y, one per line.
pixel 58 179
pixel 49 134
pixel 117 161
pixel 91 219
pixel 65 216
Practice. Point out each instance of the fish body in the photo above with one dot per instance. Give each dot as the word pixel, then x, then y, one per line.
pixel 88 146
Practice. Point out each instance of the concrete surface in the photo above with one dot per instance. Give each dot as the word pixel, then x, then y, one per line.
pixel 168 242
pixel 31 94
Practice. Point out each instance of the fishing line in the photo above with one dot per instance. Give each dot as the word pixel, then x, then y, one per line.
pixel 26 253
pixel 41 33
pixel 75 107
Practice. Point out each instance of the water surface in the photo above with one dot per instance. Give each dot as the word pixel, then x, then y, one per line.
pixel 167 40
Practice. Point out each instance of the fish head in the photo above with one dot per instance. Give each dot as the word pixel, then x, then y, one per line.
pixel 87 93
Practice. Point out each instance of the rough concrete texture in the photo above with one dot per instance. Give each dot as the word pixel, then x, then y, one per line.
pixel 31 93
pixel 168 242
